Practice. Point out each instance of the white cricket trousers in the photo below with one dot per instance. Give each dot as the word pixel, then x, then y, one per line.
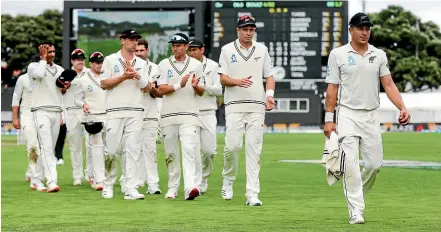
pixel 148 161
pixel 47 124
pixel 123 139
pixel 238 124
pixel 30 135
pixel 96 144
pixel 359 129
pixel 75 131
pixel 206 147
pixel 189 137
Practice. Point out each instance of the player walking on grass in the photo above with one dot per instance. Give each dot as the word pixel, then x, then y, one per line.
pixel 75 129
pixel 21 102
pixel 207 112
pixel 125 86
pixel 242 64
pixel 148 165
pixel 179 115
pixel 355 72
pixel 92 99
pixel 46 108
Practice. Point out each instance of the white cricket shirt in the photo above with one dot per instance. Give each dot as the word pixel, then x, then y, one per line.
pixel 23 93
pixel 45 94
pixel 210 78
pixel 68 97
pixel 358 76
pixel 124 100
pixel 238 62
pixel 90 93
pixel 180 107
pixel 150 103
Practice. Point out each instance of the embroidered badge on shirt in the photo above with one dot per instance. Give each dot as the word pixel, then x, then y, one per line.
pixel 351 61
pixel 233 59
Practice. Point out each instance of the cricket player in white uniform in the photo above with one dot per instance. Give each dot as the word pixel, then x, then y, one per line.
pixel 21 102
pixel 179 115
pixel 355 72
pixel 242 65
pixel 125 86
pixel 46 108
pixel 148 161
pixel 92 99
pixel 207 111
pixel 75 129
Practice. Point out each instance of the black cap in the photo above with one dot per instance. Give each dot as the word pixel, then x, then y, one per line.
pixel 129 34
pixel 66 75
pixel 196 43
pixel 360 19
pixel 179 38
pixel 77 54
pixel 246 20
pixel 96 57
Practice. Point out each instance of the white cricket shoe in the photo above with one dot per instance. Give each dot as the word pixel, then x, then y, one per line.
pixel 227 190
pixel 253 201
pixel 60 162
pixel 204 186
pixel 107 192
pixel 191 194
pixel 356 219
pixel 39 187
pixel 53 188
pixel 171 193
pixel 153 189
pixel 133 194
pixel 77 182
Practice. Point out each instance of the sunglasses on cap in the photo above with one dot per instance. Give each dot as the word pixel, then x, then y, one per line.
pixel 178 38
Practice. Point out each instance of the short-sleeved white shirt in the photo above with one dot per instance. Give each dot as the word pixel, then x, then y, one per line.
pixel 358 76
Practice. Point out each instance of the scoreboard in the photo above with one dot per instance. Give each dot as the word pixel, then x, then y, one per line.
pixel 299 35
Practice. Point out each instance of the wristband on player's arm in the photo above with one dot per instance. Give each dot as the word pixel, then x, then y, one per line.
pixel 270 93
pixel 329 117
pixel 177 86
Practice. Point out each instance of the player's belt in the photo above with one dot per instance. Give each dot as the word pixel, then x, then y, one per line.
pixel 73 108
pixel 179 114
pixel 124 109
pixel 150 119
pixel 245 102
pixel 46 108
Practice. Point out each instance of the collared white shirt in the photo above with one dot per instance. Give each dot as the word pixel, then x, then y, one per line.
pixel 358 76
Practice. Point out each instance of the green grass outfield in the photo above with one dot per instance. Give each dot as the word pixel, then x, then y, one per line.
pixel 295 197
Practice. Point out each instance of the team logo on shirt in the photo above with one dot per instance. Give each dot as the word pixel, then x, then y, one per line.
pixel 371 59
pixel 257 58
pixel 208 73
pixel 137 69
pixel 351 61
pixel 116 68
pixel 170 74
pixel 90 88
pixel 233 59
pixel 328 72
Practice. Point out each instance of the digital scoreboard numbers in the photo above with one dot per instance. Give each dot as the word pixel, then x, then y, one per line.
pixel 299 35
